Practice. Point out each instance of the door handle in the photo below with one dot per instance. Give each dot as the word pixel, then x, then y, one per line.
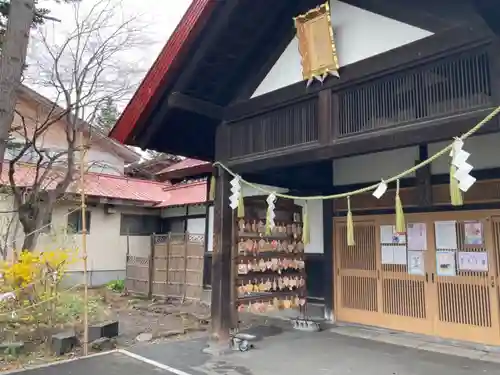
pixel 426 277
pixel 378 274
pixel 492 281
pixel 432 277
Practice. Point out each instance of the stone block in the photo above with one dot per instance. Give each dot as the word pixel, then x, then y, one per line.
pixel 103 344
pixel 11 348
pixel 63 342
pixel 104 329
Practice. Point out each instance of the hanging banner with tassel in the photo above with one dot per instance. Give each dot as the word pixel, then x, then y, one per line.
pixel 211 193
pixel 350 225
pixel 305 225
pixel 400 215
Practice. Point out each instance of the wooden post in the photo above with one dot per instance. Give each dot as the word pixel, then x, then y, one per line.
pixel 151 270
pixel 328 259
pixel 423 179
pixel 325 116
pixel 222 283
pixel 186 243
pixel 83 210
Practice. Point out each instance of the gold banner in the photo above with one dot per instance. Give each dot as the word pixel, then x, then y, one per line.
pixel 316 44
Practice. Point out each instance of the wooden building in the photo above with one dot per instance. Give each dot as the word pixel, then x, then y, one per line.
pixel 229 87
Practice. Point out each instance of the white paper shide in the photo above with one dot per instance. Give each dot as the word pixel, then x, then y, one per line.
pixel 459 160
pixel 380 190
pixel 234 199
pixel 271 205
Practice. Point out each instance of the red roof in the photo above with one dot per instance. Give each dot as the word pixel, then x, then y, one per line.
pixel 118 187
pixel 184 164
pixel 163 68
pixel 187 193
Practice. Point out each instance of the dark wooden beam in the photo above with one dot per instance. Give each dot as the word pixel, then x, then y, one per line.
pixel 209 40
pixel 218 22
pixel 489 11
pixel 386 139
pixel 198 106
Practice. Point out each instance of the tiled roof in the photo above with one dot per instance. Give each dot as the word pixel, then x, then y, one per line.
pixel 184 164
pixel 118 187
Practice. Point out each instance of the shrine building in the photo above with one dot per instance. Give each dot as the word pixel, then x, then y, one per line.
pixel 309 99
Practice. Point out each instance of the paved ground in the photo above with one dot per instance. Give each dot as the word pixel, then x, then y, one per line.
pixel 281 351
pixel 109 364
pixel 325 353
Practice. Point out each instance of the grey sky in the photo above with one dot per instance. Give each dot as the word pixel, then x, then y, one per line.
pixel 159 17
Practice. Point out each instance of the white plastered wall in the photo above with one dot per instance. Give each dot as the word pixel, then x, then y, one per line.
pixel 359 34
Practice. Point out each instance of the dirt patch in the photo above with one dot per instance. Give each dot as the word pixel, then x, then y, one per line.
pixel 160 319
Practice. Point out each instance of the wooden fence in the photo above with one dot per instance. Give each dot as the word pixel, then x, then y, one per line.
pixel 174 268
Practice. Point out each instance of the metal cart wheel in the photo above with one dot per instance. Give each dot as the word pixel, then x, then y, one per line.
pixel 243 346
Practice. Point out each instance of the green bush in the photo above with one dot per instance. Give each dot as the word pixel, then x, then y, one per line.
pixel 116 285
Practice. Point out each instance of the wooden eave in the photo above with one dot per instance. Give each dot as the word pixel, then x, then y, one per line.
pixel 218 55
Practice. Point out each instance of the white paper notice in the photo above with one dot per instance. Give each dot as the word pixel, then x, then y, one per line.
pixel 473 261
pixel 446 235
pixel 417 236
pixel 446 263
pixel 387 254
pixel 387 233
pixel 400 254
pixel 416 263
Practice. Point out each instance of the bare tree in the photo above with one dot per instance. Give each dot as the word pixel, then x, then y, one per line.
pixel 81 71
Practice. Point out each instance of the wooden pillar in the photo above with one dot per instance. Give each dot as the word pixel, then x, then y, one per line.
pixel 328 243
pixel 222 283
pixel 325 124
pixel 423 179
pixel 328 259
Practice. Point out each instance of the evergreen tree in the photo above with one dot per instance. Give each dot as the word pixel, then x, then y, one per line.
pixel 108 115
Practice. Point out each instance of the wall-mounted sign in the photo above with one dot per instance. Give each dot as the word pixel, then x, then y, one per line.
pixel 473 233
pixel 388 235
pixel 416 263
pixel 473 261
pixel 316 44
pixel 446 263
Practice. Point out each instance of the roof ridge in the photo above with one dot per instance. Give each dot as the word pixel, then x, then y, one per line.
pixel 123 177
pixel 185 184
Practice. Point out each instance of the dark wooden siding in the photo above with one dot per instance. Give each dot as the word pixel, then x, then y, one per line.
pixel 292 125
pixel 444 87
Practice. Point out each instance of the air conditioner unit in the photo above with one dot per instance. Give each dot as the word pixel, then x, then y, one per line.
pixel 109 209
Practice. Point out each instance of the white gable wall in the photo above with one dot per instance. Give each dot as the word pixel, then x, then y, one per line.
pixel 359 34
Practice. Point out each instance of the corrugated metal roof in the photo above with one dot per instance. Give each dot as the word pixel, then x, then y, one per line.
pixel 184 164
pixel 118 187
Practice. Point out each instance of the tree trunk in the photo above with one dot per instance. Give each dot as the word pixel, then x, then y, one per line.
pixel 30 240
pixel 12 60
